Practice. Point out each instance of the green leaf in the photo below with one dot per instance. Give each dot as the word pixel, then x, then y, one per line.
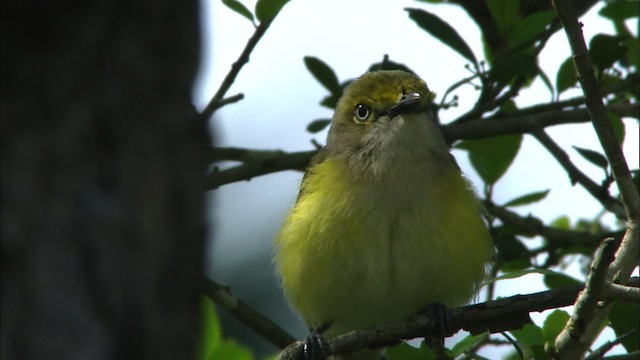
pixel 528 198
pixel 505 13
pixel 467 343
pixel 404 351
pixel 632 57
pixel 512 254
pixel 553 325
pixel 624 318
pixel 545 79
pixel 211 335
pixel 266 10
pixel 530 334
pixel 238 7
pixel 508 107
pixel 323 73
pixel 562 222
pixel 620 10
pixel 441 31
pixel 520 273
pixel 593 157
pixel 566 77
pixel 618 126
pixel 229 349
pixel 530 28
pixel 330 101
pixel 318 125
pixel 492 157
pixel 507 67
pixel 557 280
pixel 605 50
pixel 633 52
pixel 538 352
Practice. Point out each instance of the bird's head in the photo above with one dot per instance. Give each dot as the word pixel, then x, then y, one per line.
pixel 381 115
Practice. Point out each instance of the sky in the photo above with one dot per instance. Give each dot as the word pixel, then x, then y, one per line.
pixel 282 97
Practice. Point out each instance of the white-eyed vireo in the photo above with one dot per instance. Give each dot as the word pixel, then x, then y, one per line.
pixel 384 223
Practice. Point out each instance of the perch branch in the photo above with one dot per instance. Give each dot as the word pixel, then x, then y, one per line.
pixel 266 328
pixel 493 316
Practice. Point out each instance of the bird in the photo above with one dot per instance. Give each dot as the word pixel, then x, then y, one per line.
pixel 385 222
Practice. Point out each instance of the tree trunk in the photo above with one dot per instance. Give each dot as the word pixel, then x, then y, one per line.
pixel 102 180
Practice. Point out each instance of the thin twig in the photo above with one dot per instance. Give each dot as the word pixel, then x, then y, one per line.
pixel 245 313
pixel 456 85
pixel 227 101
pixel 214 104
pixel 577 176
pixel 534 226
pixel 290 161
pixel 244 155
pixel 526 123
pixel 635 355
pixel 604 348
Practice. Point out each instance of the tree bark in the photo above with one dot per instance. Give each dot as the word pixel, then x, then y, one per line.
pixel 103 158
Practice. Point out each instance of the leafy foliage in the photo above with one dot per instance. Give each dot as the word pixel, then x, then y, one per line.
pixel 515 33
pixel 266 10
pixel 624 319
pixel 442 31
pixel 492 157
pixel 528 198
pixel 238 7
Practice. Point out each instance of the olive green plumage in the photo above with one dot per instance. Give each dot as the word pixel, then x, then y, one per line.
pixel 385 223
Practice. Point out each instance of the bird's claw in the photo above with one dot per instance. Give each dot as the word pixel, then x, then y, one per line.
pixel 439 314
pixel 314 344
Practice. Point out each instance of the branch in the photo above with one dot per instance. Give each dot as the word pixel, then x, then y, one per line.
pixel 217 100
pixel 568 344
pixel 244 155
pixel 261 162
pixel 624 293
pixel 228 100
pixel 526 123
pixel 626 258
pixel 575 175
pixel 279 161
pixel 246 314
pixel 534 226
pixel 492 316
pixel 604 348
pixel 597 111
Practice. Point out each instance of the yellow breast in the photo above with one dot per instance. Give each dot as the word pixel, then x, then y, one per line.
pixel 359 252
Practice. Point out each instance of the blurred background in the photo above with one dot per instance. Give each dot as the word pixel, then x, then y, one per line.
pixel 282 97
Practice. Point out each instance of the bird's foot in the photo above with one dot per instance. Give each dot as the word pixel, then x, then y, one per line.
pixel 439 314
pixel 440 329
pixel 314 344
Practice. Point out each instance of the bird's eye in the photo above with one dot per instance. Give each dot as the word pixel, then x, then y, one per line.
pixel 362 113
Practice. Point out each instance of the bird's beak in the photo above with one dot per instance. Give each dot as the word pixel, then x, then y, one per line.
pixel 406 102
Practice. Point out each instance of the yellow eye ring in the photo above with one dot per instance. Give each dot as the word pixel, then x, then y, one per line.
pixel 362 113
